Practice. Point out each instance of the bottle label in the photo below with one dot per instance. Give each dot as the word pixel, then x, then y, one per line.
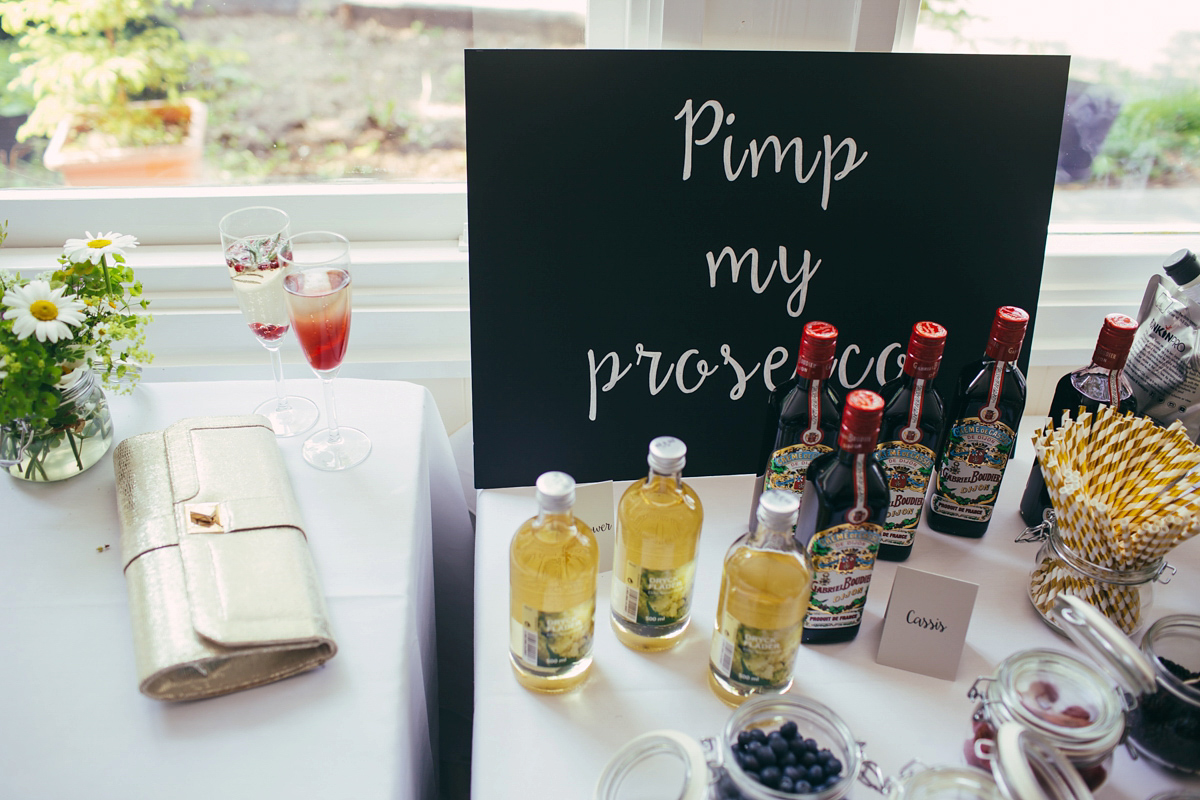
pixel 969 479
pixel 843 559
pixel 909 468
pixel 553 639
pixel 653 596
pixel 789 465
pixel 759 657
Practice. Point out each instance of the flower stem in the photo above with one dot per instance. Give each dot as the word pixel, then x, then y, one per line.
pixel 75 451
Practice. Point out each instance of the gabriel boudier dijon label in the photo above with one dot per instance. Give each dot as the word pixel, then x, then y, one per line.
pixel 909 468
pixel 789 465
pixel 969 480
pixel 755 656
pixel 553 639
pixel 653 596
pixel 843 559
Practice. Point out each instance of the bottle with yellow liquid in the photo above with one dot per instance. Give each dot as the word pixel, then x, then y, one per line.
pixel 760 616
pixel 552 591
pixel 654 560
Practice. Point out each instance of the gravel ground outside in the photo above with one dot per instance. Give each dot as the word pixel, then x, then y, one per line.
pixel 351 93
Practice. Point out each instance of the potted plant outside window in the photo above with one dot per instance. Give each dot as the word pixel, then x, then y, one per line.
pixel 107 80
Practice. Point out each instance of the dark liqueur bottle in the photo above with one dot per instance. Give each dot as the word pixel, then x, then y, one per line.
pixel 1086 389
pixel 909 437
pixel 841 519
pixel 802 421
pixel 981 431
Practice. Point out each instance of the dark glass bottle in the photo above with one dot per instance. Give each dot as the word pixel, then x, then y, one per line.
pixel 1088 388
pixel 802 422
pixel 841 518
pixel 909 437
pixel 981 432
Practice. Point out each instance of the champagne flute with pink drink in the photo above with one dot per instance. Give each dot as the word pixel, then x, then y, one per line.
pixel 254 240
pixel 317 286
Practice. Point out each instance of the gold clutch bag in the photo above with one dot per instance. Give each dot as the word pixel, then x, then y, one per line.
pixel 223 593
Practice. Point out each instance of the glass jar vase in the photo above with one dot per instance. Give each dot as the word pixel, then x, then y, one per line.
pixel 1165 727
pixel 1060 697
pixel 1124 596
pixel 76 437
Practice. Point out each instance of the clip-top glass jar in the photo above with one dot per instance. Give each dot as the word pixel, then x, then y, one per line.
pixel 75 439
pixel 1024 766
pixel 1124 596
pixel 1059 696
pixel 670 764
pixel 1165 727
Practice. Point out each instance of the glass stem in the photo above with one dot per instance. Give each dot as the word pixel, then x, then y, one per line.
pixel 281 401
pixel 334 434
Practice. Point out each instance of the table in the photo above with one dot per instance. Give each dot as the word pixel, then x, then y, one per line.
pixel 72 723
pixel 557 746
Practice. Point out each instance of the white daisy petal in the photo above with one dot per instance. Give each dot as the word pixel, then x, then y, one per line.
pixel 93 248
pixel 46 313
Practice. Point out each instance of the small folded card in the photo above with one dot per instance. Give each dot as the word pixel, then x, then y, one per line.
pixel 925 625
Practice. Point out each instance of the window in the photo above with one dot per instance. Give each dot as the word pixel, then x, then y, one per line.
pixel 1113 222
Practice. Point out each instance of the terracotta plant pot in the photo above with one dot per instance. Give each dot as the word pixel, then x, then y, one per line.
pixel 165 164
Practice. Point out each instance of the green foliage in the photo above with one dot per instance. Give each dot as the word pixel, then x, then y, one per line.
pixel 1153 138
pixel 17 101
pixel 946 15
pixel 100 56
pixel 111 338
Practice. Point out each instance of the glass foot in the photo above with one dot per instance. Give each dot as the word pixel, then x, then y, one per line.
pixel 351 447
pixel 297 416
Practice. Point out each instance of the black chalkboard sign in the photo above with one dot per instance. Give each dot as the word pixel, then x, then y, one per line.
pixel 650 230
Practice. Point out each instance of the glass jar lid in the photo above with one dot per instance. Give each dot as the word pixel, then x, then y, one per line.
pixel 944 783
pixel 1028 767
pixel 664 763
pixel 1104 642
pixel 1060 697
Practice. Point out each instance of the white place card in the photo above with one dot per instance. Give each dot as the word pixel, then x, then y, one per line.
pixel 594 505
pixel 925 625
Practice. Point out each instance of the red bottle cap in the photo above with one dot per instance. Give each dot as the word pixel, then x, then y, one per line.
pixel 1116 337
pixel 1008 333
pixel 861 418
pixel 925 350
pixel 818 348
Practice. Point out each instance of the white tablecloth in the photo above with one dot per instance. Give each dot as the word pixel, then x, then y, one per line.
pixel 534 745
pixel 72 723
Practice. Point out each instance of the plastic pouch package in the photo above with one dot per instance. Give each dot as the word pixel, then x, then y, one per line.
pixel 1164 361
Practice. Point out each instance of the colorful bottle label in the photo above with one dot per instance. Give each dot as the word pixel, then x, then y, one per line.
pixel 758 657
pixel 968 481
pixel 909 468
pixel 843 560
pixel 789 466
pixel 652 596
pixel 553 639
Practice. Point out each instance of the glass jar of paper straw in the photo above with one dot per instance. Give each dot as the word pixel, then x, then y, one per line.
pixel 1125 596
pixel 1125 492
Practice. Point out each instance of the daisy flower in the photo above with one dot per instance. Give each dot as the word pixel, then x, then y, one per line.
pixel 37 309
pixel 94 248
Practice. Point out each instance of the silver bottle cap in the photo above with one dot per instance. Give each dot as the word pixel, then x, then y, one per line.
pixel 778 509
pixel 667 455
pixel 555 492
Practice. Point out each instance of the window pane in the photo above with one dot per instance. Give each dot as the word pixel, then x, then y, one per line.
pixel 298 91
pixel 1130 152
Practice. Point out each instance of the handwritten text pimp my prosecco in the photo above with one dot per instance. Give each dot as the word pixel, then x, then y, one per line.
pixel 826 163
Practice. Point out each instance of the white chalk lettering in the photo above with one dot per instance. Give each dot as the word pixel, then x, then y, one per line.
pixel 616 375
pixel 805 273
pixel 834 162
